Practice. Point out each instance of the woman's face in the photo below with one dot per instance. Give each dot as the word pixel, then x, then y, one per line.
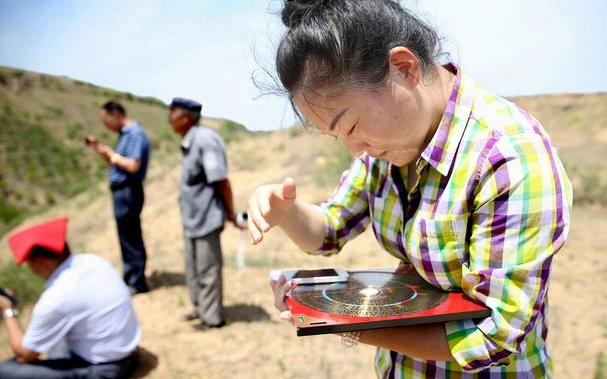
pixel 390 123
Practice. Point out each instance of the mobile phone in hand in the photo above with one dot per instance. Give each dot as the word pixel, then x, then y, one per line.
pixel 90 140
pixel 12 298
pixel 316 276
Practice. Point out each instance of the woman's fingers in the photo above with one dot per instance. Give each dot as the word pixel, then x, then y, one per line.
pixel 286 316
pixel 254 221
pixel 268 206
pixel 263 207
pixel 280 288
pixel 258 222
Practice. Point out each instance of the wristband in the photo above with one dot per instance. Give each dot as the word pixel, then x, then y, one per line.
pixel 10 312
pixel 114 158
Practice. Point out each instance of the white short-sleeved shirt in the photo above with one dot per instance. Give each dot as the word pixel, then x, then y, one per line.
pixel 87 304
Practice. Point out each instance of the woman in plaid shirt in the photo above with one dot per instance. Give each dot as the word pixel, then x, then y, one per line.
pixel 456 182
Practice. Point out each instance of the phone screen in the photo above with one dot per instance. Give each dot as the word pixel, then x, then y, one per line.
pixel 314 273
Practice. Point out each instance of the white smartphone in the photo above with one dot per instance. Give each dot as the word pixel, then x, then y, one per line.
pixel 313 276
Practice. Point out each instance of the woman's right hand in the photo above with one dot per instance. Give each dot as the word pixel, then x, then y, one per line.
pixel 268 207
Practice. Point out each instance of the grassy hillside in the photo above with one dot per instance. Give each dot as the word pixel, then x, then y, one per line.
pixel 43 121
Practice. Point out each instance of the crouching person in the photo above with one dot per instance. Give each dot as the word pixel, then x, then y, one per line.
pixel 85 305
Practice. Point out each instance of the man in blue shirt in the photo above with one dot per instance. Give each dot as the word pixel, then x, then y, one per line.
pixel 128 166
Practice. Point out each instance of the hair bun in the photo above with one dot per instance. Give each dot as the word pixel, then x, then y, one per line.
pixel 295 11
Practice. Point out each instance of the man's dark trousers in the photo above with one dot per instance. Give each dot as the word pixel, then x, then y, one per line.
pixel 70 368
pixel 128 202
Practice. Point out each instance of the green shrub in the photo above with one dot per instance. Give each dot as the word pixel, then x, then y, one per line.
pixel 296 130
pixel 151 100
pixel 590 189
pixel 8 110
pixel 31 199
pixel 232 131
pixel 8 212
pixel 45 82
pixel 600 372
pixel 49 197
pixel 74 130
pixel 53 112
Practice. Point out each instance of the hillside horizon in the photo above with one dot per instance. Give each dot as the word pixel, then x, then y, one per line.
pixel 512 97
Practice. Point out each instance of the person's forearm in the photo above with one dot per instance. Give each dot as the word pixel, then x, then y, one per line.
pixel 225 192
pixel 129 165
pixel 305 225
pixel 427 341
pixel 14 333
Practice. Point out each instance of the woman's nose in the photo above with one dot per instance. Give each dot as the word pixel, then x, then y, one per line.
pixel 355 147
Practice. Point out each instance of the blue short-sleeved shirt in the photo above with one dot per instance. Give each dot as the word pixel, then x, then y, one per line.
pixel 132 143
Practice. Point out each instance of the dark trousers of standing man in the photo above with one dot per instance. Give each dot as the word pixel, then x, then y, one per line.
pixel 128 202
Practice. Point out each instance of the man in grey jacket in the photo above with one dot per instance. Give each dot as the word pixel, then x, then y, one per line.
pixel 206 202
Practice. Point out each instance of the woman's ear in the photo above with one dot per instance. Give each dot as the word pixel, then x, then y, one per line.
pixel 405 66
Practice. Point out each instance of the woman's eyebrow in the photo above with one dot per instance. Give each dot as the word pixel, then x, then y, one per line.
pixel 336 119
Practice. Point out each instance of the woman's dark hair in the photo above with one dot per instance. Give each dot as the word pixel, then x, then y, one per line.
pixel 347 42
pixel 111 106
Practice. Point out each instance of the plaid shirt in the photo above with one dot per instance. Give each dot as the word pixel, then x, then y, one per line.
pixel 490 209
pixel 133 143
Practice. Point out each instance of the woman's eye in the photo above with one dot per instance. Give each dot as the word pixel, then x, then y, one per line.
pixel 351 131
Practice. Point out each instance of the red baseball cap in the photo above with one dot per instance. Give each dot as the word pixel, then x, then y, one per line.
pixel 50 235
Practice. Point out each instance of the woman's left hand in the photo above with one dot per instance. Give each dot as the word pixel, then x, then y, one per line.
pixel 280 288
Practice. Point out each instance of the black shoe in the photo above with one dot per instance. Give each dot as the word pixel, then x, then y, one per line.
pixel 190 316
pixel 204 326
pixel 134 291
pixel 145 289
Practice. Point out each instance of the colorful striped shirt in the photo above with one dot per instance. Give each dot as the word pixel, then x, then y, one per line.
pixel 491 207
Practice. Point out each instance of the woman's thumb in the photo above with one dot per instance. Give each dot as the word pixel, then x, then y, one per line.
pixel 289 191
